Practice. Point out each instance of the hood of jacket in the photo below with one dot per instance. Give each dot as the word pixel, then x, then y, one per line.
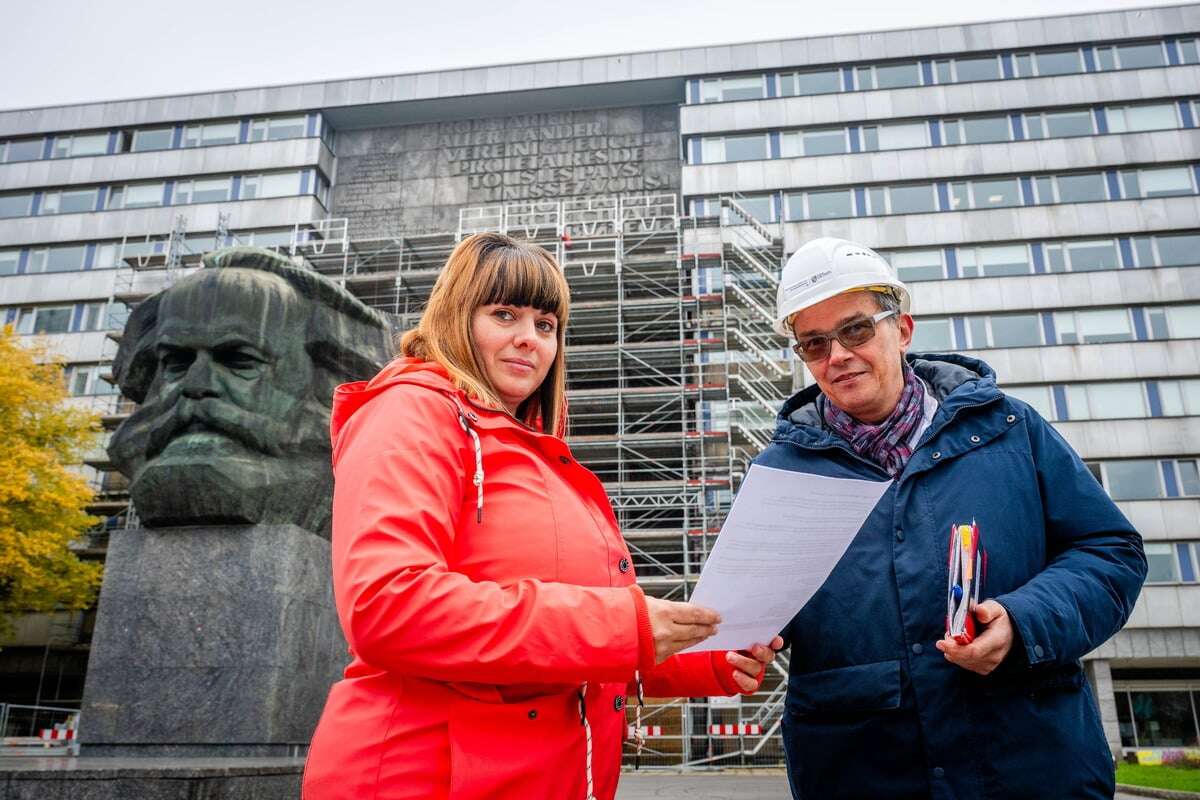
pixel 350 397
pixel 956 381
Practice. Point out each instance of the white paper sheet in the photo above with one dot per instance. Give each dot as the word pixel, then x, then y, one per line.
pixel 784 535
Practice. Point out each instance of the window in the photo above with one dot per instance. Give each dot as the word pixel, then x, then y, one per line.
pixel 1180 398
pixel 1119 400
pixel 137 195
pixel 93 317
pixel 1169 182
pixel 9 259
pixel 1188 52
pixel 918 265
pixel 270 184
pixel 999 193
pixel 94 144
pixel 977 130
pixel 1052 62
pixel 831 204
pixel 933 335
pixel 211 133
pixel 1094 326
pixel 212 190
pixel 817 82
pixel 293 127
pixel 1178 249
pixel 1126 119
pixel 1004 330
pixel 67 258
pixel 22 150
pixel 1189 477
pixel 889 76
pixel 994 261
pixel 1160 558
pixel 1083 187
pixel 46 319
pixel 1087 256
pixel 913 199
pixel 1183 322
pixel 824 142
pixel 1133 480
pixel 15 205
pixel 1036 396
pixel 712 90
pixel 152 139
pixel 963 70
pixel 1131 56
pixel 895 137
pixel 69 202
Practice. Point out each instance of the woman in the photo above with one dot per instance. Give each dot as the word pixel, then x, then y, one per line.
pixel 480 575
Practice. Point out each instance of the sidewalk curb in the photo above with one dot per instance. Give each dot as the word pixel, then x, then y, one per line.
pixel 1149 791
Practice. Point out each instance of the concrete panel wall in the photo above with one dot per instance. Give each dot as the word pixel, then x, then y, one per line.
pixel 244 215
pixel 419 176
pixel 1093 362
pixel 64 287
pixel 1161 437
pixel 161 164
pixel 933 163
pixel 1163 520
pixel 929 101
pixel 1004 224
pixel 1052 292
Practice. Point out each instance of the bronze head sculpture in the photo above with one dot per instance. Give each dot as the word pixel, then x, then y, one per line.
pixel 234 367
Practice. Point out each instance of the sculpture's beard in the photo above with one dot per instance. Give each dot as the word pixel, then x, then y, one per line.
pixel 208 461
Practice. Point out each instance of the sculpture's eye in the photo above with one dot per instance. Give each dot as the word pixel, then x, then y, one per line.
pixel 239 359
pixel 174 361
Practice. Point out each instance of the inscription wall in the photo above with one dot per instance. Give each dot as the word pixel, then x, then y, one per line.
pixel 417 177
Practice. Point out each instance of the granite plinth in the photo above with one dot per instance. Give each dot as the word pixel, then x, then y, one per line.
pixel 211 641
pixel 150 778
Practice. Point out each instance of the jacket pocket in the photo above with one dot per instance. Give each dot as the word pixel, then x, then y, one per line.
pixel 862 687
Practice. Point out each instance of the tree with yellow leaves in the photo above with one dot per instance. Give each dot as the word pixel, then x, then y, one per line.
pixel 42 502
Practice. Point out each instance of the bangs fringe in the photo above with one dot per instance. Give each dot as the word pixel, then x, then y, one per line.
pixel 524 278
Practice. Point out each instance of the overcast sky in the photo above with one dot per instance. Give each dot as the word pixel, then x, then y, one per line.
pixel 88 50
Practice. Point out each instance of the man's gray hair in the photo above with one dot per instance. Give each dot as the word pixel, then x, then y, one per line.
pixel 887 301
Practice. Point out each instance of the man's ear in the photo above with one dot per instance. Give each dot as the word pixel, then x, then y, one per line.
pixel 136 363
pixel 906 325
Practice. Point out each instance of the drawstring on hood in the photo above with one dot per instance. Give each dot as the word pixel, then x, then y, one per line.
pixel 478 477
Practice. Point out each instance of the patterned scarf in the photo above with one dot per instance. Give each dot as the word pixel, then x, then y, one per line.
pixel 886 444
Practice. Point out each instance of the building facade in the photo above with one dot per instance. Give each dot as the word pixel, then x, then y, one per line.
pixel 1036 181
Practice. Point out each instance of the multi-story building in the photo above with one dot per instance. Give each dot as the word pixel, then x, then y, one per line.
pixel 1036 181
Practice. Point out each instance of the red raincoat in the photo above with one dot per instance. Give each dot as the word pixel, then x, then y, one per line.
pixel 479 598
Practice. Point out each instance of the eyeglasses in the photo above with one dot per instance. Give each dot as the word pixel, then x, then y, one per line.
pixel 854 333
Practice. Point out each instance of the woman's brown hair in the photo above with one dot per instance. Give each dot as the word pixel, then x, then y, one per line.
pixel 492 268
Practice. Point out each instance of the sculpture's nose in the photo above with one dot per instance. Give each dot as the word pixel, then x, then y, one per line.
pixel 200 380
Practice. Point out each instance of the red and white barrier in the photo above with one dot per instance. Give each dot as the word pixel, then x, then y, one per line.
pixel 57 734
pixel 647 731
pixel 740 729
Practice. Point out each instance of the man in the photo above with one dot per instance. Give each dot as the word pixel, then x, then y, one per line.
pixel 235 368
pixel 880 703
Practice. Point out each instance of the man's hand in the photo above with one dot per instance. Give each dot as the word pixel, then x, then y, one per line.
pixel 748 668
pixel 678 625
pixel 990 647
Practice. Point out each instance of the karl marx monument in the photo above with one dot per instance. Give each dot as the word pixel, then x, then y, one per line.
pixel 216 633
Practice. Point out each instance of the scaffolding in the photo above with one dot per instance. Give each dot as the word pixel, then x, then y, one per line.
pixel 674 378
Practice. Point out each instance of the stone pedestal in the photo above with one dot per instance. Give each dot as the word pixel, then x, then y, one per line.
pixel 211 641
pixel 150 778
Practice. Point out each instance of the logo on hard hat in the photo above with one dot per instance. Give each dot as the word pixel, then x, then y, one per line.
pixel 804 284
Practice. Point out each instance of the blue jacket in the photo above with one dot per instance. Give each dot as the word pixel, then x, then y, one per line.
pixel 873 709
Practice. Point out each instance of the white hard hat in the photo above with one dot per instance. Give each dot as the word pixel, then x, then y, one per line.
pixel 826 267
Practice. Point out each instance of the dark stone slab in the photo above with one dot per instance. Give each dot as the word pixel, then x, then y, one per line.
pixel 149 779
pixel 211 641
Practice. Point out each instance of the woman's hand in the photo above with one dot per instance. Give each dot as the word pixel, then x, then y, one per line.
pixel 748 665
pixel 989 648
pixel 676 626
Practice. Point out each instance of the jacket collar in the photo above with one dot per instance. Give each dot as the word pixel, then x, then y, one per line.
pixel 957 381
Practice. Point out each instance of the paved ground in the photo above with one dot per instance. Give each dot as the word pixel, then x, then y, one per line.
pixel 715 786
